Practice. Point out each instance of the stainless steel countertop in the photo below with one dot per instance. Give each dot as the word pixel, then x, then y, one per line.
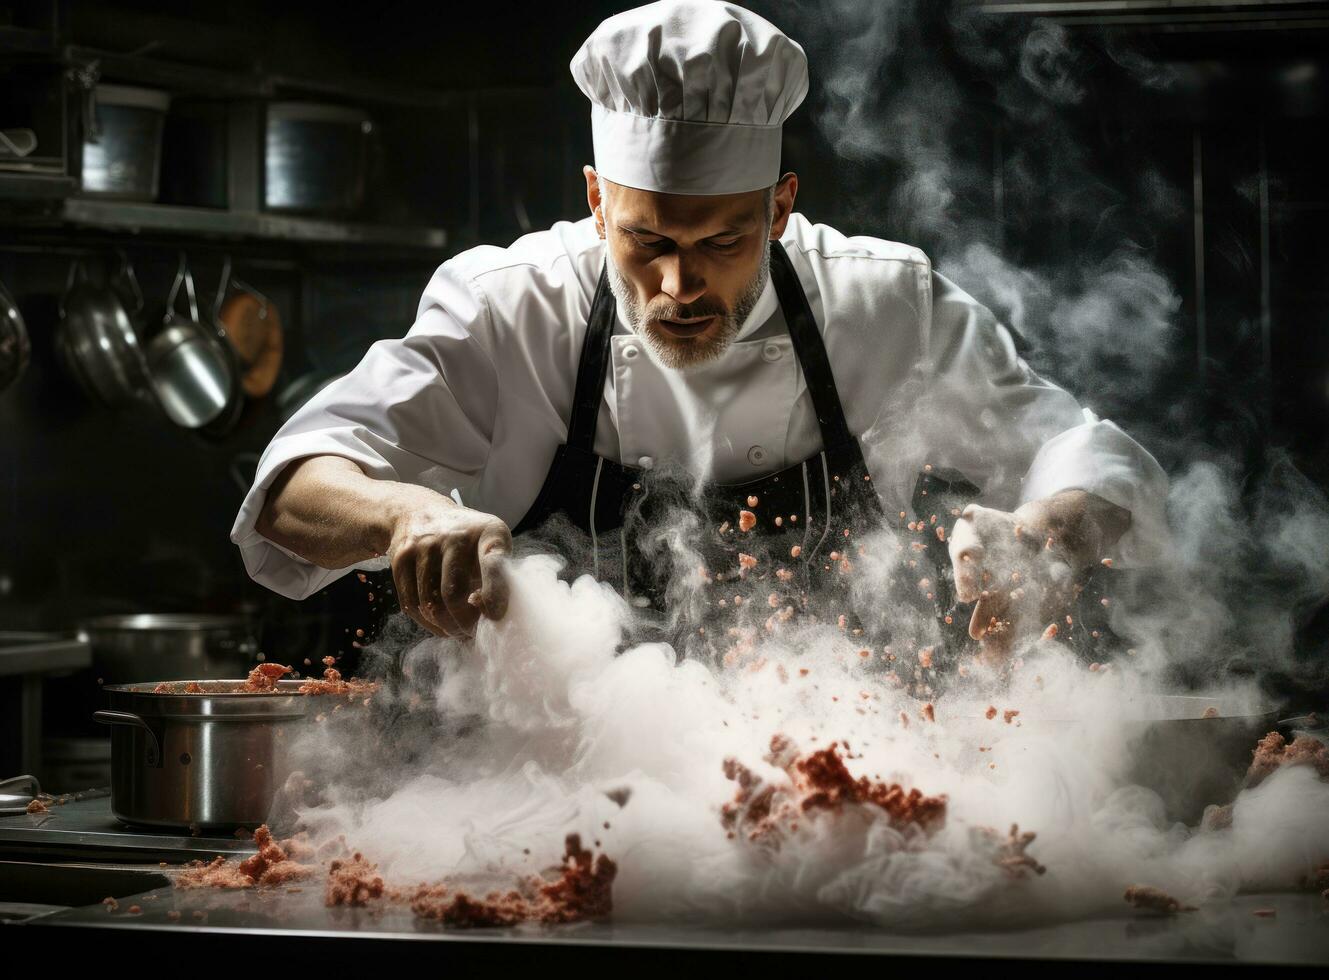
pixel 1220 933
pixel 1298 934
pixel 85 830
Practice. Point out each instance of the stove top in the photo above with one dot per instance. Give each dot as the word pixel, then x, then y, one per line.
pixel 85 830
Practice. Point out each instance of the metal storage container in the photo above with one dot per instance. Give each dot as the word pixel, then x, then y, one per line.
pixel 316 158
pixel 122 150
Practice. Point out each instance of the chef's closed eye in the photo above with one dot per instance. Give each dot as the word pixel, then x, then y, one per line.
pixel 649 241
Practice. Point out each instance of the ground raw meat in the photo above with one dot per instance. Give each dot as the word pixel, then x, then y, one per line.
pixel 38 806
pixel 582 890
pixel 167 687
pixel 264 677
pixel 819 783
pixel 1216 817
pixel 746 520
pixel 332 683
pixel 272 865
pixel 1154 899
pixel 217 873
pixel 1273 752
pixel 353 881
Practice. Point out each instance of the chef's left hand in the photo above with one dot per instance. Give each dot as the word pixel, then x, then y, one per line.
pixel 1019 568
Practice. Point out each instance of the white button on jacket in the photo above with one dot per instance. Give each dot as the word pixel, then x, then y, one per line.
pixel 476 396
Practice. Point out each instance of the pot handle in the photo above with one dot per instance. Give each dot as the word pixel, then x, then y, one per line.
pixel 129 718
pixel 222 288
pixel 185 278
pixel 125 274
pixel 76 272
pixel 28 782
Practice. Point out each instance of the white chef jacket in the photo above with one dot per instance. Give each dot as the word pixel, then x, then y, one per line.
pixel 476 397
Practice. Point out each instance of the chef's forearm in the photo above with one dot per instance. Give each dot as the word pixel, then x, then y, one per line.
pixel 327 511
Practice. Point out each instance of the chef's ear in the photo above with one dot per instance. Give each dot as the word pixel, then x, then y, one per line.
pixel 594 199
pixel 786 189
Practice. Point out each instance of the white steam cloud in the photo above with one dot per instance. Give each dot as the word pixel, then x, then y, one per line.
pixel 540 727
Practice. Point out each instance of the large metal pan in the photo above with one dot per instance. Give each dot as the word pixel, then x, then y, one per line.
pixel 212 760
pixel 15 347
pixel 96 339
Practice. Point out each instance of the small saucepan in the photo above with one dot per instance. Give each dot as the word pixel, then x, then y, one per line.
pixel 190 368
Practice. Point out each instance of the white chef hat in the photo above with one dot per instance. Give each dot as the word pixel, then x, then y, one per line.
pixel 688 96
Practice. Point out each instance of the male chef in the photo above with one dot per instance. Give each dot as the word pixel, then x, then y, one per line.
pixel 694 323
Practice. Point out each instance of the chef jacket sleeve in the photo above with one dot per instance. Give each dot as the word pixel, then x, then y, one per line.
pixel 419 409
pixel 1019 437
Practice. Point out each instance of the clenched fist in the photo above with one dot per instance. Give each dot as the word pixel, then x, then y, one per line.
pixel 448 564
pixel 1019 568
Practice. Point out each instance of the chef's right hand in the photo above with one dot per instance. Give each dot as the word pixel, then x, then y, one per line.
pixel 448 563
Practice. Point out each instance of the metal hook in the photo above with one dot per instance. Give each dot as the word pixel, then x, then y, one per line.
pixel 71 280
pixel 126 274
pixel 222 287
pixel 182 275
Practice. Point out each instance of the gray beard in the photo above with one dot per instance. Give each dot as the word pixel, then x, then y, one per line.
pixel 683 355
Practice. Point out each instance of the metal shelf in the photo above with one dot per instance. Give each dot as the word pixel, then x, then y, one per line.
pixel 135 217
pixel 189 79
pixel 25 40
pixel 27 185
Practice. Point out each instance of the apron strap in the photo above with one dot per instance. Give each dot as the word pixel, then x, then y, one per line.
pixel 807 342
pixel 589 390
pixel 809 350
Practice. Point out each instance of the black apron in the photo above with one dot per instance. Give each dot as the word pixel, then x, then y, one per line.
pixel 808 516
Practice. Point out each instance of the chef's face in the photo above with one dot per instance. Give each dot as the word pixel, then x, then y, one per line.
pixel 687 269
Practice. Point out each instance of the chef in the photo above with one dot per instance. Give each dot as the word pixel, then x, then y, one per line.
pixel 694 324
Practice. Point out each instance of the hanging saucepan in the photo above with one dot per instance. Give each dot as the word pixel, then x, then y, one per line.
pixel 15 349
pixel 235 403
pixel 96 339
pixel 188 366
pixel 253 327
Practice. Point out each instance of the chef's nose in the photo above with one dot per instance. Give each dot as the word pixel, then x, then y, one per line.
pixel 682 281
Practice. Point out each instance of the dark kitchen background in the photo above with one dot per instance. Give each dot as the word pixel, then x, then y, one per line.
pixel 442 126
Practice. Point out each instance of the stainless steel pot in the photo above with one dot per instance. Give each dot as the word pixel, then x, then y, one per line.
pixel 170 646
pixel 201 760
pixel 122 150
pixel 316 158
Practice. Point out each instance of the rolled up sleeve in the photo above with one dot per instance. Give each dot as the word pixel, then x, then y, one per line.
pixel 419 409
pixel 1019 437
